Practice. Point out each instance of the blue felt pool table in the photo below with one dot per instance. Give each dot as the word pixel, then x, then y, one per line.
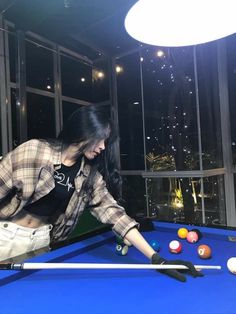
pixel 124 291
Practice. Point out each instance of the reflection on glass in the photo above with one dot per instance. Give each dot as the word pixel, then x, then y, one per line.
pixel 231 54
pixel 214 200
pixel 39 67
pixel 130 113
pixel 68 108
pixel 100 81
pixel 12 41
pixel 209 106
pixel 134 196
pixel 0 140
pixel 40 116
pixel 15 133
pixel 170 109
pixel 76 79
pixel 180 199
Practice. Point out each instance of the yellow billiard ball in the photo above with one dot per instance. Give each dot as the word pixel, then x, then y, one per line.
pixel 182 233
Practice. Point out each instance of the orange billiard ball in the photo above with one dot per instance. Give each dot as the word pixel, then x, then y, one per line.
pixel 182 233
pixel 204 251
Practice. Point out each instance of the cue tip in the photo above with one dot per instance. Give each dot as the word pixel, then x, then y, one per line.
pixel 11 266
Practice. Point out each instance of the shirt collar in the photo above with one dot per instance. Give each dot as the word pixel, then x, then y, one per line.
pixel 84 169
pixel 56 159
pixel 56 156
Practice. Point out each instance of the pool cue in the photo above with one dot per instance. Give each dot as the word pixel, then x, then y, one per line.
pixel 22 266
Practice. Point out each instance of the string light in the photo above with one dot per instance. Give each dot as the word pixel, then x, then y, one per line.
pixel 160 53
pixel 119 69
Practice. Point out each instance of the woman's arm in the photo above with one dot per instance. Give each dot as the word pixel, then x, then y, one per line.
pixel 136 239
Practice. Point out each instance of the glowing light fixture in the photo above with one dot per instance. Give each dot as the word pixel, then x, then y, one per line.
pixel 119 69
pixel 174 23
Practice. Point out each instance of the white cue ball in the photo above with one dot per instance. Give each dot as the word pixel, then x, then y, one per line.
pixel 231 264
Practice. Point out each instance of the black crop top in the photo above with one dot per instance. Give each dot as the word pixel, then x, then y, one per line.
pixel 58 199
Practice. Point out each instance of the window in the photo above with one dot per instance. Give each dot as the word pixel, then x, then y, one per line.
pixel 100 81
pixel 40 116
pixel 170 109
pixel 76 79
pixel 130 113
pixel 209 106
pixel 231 51
pixel 68 109
pixel 39 67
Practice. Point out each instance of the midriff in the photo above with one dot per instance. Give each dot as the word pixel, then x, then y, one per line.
pixel 26 219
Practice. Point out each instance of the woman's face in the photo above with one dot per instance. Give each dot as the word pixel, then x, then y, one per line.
pixel 95 150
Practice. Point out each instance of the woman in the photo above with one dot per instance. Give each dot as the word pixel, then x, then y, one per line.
pixel 45 185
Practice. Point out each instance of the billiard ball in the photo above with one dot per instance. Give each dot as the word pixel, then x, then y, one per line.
pixel 198 232
pixel 155 245
pixel 231 265
pixel 122 249
pixel 175 246
pixel 182 233
pixel 204 251
pixel 192 237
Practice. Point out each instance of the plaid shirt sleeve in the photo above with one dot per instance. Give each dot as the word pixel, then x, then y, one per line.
pixel 108 211
pixel 5 176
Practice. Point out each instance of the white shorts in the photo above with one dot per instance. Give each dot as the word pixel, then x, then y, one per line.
pixel 16 240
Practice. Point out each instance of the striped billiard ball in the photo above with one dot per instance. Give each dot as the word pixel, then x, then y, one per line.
pixel 122 249
pixel 175 246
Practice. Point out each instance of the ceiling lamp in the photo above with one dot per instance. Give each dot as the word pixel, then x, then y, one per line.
pixel 174 23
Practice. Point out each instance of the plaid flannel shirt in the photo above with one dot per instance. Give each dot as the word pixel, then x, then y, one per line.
pixel 26 175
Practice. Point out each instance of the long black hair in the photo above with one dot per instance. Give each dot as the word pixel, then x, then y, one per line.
pixel 88 125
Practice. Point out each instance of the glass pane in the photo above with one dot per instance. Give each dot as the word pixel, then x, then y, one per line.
pixel 76 79
pixel 180 199
pixel 214 200
pixel 100 87
pixel 39 67
pixel 68 108
pixel 134 196
pixel 12 40
pixel 209 106
pixel 231 54
pixel 0 139
pixel 15 133
pixel 40 116
pixel 170 109
pixel 130 113
pixel 171 199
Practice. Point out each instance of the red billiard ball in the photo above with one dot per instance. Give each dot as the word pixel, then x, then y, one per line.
pixel 192 237
pixel 175 246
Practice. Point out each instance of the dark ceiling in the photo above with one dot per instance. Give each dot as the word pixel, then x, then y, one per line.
pixel 96 23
